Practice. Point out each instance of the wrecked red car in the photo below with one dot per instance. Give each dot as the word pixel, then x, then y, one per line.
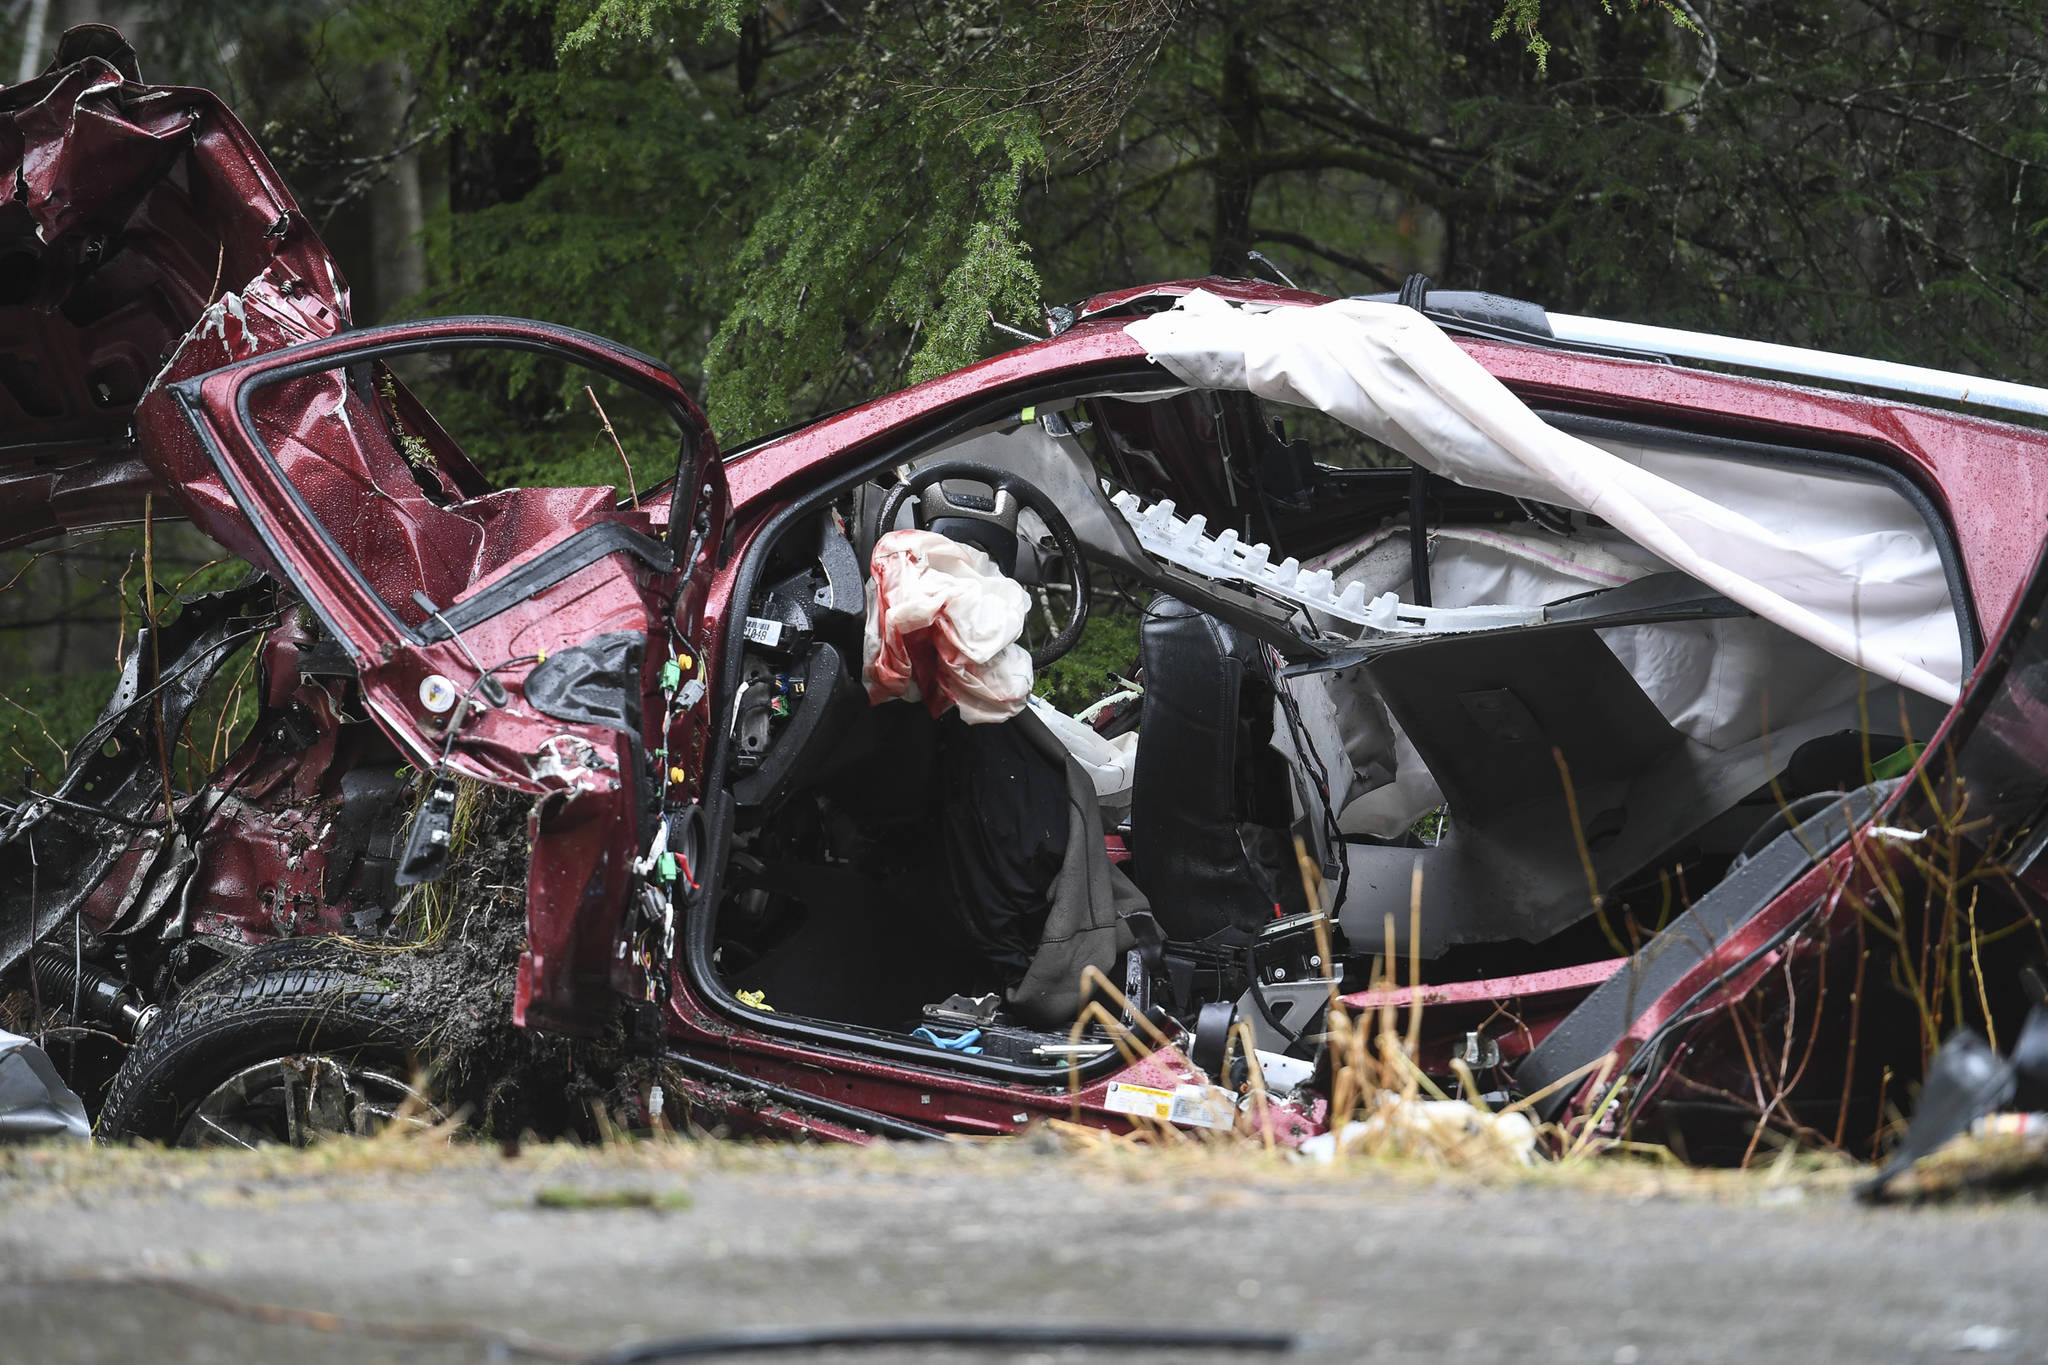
pixel 1679 726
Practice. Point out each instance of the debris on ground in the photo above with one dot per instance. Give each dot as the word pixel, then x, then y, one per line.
pixel 34 1101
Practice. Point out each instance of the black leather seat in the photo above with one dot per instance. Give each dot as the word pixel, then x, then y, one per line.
pixel 1203 764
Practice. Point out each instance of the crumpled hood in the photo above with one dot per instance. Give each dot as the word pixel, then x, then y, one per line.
pixel 133 209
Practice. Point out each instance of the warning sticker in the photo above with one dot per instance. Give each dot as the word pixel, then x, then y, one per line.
pixel 1141 1100
pixel 763 631
pixel 1190 1106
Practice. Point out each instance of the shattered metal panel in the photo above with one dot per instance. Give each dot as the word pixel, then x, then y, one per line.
pixel 56 849
pixel 136 209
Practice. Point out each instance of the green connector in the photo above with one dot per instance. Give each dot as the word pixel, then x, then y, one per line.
pixel 666 868
pixel 671 676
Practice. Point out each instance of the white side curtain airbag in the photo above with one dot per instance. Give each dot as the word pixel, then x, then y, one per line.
pixel 1812 565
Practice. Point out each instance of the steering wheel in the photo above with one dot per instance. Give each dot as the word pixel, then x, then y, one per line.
pixel 1010 493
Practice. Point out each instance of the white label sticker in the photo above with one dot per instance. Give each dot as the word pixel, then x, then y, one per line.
pixel 1202 1106
pixel 762 631
pixel 1142 1100
pixel 1190 1106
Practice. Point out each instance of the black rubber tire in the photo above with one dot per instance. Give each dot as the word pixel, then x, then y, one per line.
pixel 267 1006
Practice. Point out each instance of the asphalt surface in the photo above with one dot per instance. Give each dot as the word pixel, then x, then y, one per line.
pixel 124 1257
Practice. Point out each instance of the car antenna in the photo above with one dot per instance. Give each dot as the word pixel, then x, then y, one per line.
pixel 1261 258
pixel 1006 328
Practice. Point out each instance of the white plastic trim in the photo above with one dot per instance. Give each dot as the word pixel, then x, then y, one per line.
pixel 1186 544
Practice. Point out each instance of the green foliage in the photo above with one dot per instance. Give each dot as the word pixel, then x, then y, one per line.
pixel 1082 676
pixel 939 213
pixel 806 204
pixel 619 23
pixel 68 612
pixel 524 420
pixel 1522 18
pixel 41 718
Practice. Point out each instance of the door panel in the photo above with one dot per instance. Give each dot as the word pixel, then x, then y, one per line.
pixel 358 504
pixel 366 473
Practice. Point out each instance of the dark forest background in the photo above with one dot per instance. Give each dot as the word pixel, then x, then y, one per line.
pixel 800 205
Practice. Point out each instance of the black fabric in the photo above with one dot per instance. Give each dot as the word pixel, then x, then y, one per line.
pixel 869 952
pixel 1004 828
pixel 1094 913
pixel 1002 886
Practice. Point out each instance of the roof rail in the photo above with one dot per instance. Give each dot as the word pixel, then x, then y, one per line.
pixel 1494 315
pixel 1797 361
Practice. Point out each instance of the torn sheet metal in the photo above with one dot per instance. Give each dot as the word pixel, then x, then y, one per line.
pixel 56 849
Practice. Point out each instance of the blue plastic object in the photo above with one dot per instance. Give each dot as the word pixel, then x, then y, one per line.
pixel 963 1043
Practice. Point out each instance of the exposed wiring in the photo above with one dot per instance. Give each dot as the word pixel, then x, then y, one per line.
pixel 461 711
pixel 1311 759
pixel 1549 517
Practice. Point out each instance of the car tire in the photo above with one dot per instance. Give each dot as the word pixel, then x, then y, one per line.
pixel 284 1046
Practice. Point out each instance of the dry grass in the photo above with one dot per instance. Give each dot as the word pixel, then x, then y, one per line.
pixel 656 1166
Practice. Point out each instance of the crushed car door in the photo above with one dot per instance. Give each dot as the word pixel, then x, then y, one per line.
pixel 519 636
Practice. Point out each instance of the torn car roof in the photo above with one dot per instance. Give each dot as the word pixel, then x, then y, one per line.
pixel 135 209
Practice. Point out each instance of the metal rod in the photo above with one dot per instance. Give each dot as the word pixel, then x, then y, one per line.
pixel 1807 364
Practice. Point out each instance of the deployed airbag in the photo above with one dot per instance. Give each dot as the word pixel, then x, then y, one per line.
pixel 1863 592
pixel 942 628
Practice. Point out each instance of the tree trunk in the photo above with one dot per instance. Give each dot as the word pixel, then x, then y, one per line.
pixel 32 41
pixel 1237 175
pixel 397 211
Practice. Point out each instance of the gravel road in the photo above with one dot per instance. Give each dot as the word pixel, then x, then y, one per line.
pixel 119 1256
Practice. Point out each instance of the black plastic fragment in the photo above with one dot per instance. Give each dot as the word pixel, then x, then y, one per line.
pixel 1966 1081
pixel 594 683
pixel 431 840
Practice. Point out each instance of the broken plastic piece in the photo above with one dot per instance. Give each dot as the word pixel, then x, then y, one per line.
pixel 1966 1081
pixel 1186 544
pixel 431 839
pixel 961 1042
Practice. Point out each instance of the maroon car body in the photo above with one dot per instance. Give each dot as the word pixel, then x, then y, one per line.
pixel 177 342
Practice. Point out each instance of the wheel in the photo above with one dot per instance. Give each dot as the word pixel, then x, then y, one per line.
pixel 1008 492
pixel 282 1048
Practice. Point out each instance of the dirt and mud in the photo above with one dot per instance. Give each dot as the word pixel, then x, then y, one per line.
pixel 122 1255
pixel 453 960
